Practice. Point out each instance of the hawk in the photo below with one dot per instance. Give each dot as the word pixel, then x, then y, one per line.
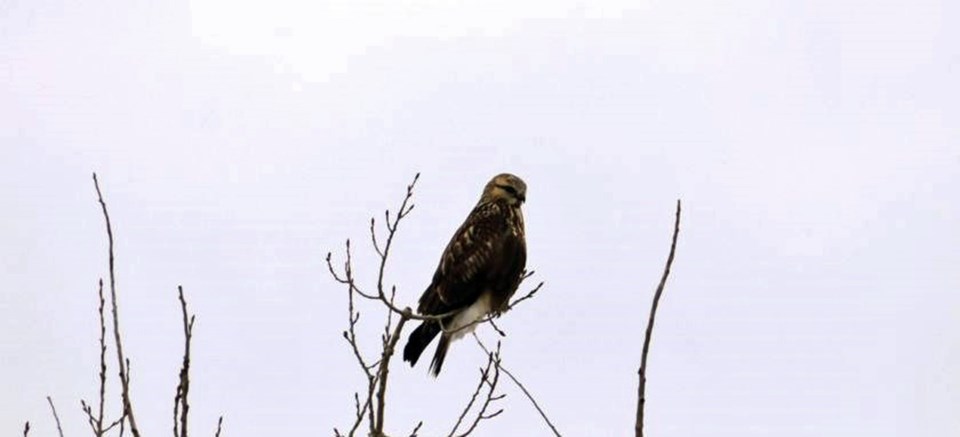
pixel 478 273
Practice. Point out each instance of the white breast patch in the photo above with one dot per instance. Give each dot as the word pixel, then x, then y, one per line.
pixel 476 311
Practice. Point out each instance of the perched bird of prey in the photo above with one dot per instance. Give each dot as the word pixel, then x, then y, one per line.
pixel 479 270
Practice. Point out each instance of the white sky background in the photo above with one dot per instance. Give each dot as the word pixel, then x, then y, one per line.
pixel 815 146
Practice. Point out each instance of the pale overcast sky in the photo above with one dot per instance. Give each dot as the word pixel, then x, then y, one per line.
pixel 815 146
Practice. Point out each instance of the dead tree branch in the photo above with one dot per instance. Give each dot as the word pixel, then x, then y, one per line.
pixel 373 406
pixel 219 426
pixel 350 336
pixel 55 416
pixel 384 371
pixel 181 404
pixel 96 421
pixel 26 428
pixel 521 386
pixel 122 362
pixel 181 407
pixel 492 367
pixel 416 429
pixel 642 372
pixel 103 358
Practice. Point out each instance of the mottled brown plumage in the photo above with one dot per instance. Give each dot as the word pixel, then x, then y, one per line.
pixel 479 270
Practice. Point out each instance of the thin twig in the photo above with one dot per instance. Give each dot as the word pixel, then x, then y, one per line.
pixel 103 359
pixel 55 416
pixel 351 337
pixel 374 402
pixel 373 237
pixel 493 366
pixel 180 403
pixel 91 420
pixel 473 397
pixel 416 429
pixel 26 428
pixel 522 388
pixel 496 328
pixel 219 426
pixel 122 362
pixel 529 294
pixel 642 372
pixel 359 415
pixel 96 420
pixel 384 253
pixel 119 421
pixel 349 281
pixel 392 230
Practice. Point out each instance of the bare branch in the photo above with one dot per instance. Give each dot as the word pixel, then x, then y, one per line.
pixel 122 362
pixel 384 371
pixel 26 428
pixel 349 281
pixel 96 420
pixel 114 424
pixel 374 403
pixel 496 328
pixel 526 296
pixel 522 388
pixel 103 359
pixel 55 416
pixel 181 406
pixel 392 230
pixel 353 316
pixel 373 237
pixel 91 420
pixel 219 426
pixel 642 372
pixel 416 429
pixel 473 398
pixel 493 365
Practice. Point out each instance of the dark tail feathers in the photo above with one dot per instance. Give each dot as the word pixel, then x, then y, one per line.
pixel 439 355
pixel 418 341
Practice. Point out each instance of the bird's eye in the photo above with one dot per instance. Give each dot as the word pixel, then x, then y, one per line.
pixel 509 189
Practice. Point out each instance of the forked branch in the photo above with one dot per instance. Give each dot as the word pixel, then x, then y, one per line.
pixel 489 377
pixel 373 405
pixel 521 386
pixel 96 420
pixel 122 362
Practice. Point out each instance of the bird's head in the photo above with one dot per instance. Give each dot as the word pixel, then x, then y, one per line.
pixel 507 187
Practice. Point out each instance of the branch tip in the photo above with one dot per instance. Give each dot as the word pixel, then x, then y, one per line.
pixel 642 371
